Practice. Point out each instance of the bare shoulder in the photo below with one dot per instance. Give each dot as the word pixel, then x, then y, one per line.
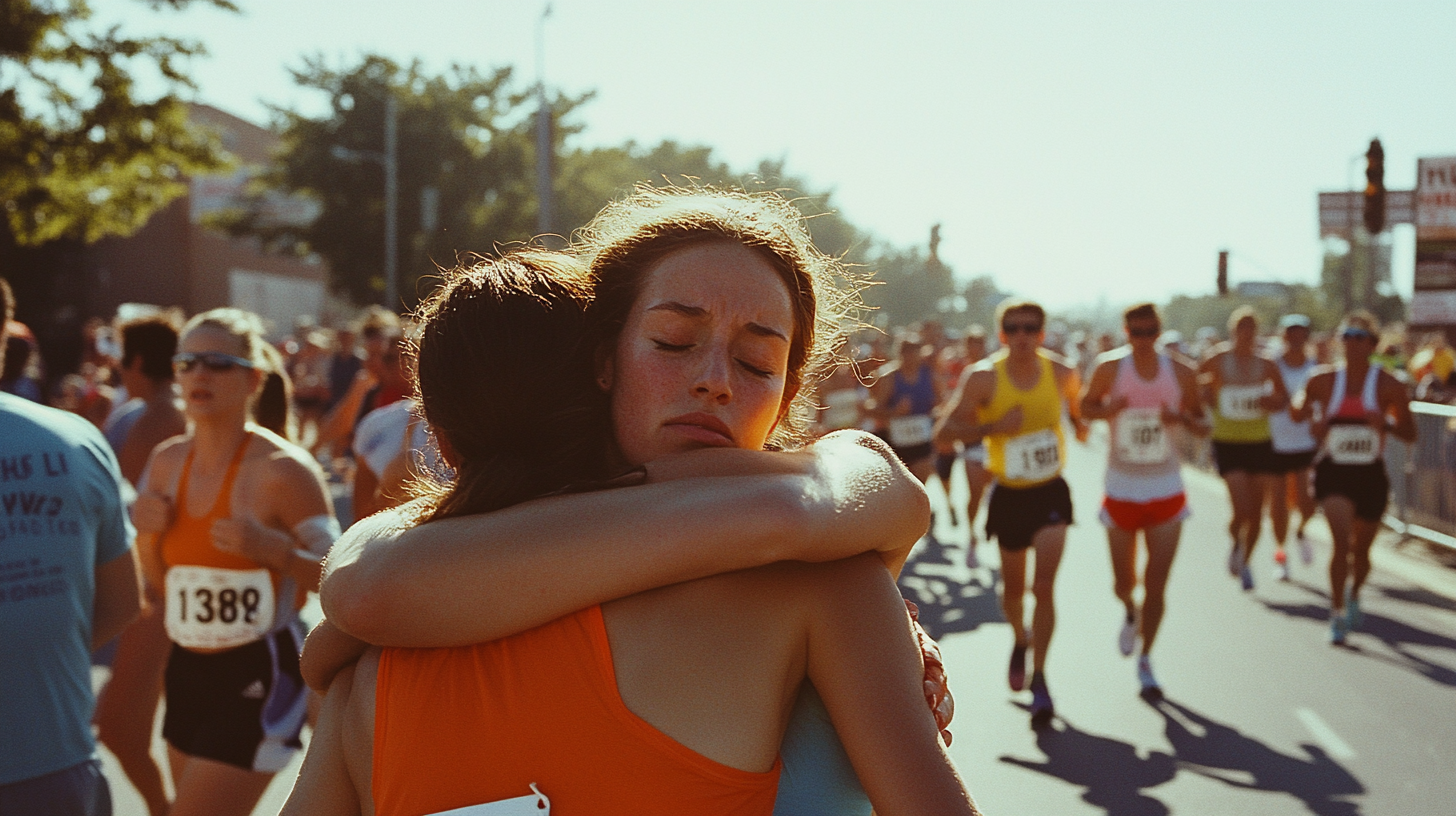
pixel 1059 362
pixel 280 459
pixel 166 461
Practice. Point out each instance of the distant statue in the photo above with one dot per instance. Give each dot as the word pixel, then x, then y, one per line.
pixel 935 244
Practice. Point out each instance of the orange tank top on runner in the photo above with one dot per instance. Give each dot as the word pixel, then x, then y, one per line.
pixel 474 724
pixel 189 540
pixel 216 600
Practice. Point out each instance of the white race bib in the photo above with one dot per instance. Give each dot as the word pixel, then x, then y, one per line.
pixel 1033 457
pixel 212 608
pixel 908 431
pixel 1141 439
pixel 1241 402
pixel 1353 444
pixel 535 804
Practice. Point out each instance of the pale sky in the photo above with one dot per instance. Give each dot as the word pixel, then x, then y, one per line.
pixel 1074 150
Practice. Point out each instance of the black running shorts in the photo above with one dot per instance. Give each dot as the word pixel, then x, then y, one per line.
pixel 1015 514
pixel 244 706
pixel 1366 486
pixel 1248 457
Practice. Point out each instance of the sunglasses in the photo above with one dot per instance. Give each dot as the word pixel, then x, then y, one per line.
pixel 1146 331
pixel 211 360
pixel 1020 328
pixel 1356 334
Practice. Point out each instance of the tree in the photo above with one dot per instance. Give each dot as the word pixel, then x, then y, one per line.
pixel 81 155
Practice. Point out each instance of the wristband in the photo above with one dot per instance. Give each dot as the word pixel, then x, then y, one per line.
pixel 318 533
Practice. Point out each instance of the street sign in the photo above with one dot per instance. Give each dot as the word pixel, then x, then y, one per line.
pixel 1436 199
pixel 1340 212
pixel 1433 307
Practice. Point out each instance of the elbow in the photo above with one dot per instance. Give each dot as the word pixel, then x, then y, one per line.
pixel 355 601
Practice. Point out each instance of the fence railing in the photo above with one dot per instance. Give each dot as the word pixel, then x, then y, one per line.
pixel 1423 477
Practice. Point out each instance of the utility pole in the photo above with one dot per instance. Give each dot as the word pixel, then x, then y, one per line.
pixel 544 217
pixel 391 202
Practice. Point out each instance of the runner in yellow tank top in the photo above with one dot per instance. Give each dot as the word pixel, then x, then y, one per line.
pixel 1014 400
pixel 1242 387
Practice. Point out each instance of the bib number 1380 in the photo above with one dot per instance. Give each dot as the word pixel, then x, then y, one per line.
pixel 211 608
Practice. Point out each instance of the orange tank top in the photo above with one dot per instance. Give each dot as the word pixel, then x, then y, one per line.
pixel 463 726
pixel 189 540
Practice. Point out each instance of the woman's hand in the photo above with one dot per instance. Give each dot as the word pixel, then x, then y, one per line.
pixel 251 540
pixel 152 513
pixel 937 685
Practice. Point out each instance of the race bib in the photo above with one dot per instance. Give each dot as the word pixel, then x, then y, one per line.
pixel 1353 444
pixel 535 804
pixel 1241 402
pixel 211 608
pixel 908 431
pixel 1033 457
pixel 1141 439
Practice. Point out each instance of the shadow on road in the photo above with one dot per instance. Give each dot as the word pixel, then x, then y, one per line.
pixel 1220 752
pixel 952 597
pixel 1115 777
pixel 1111 771
pixel 1397 635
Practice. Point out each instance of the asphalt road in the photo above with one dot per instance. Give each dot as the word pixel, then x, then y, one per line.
pixel 1261 715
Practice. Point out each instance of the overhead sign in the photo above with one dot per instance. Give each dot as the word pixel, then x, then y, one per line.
pixel 1436 199
pixel 1340 212
pixel 1433 307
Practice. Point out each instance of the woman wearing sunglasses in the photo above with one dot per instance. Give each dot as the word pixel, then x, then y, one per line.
pixel 234 521
pixel 1359 403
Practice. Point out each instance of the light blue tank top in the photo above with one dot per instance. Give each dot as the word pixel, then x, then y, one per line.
pixel 817 779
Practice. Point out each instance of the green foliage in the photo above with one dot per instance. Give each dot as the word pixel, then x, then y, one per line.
pixel 80 155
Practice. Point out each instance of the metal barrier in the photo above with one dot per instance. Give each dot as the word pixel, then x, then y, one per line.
pixel 1423 477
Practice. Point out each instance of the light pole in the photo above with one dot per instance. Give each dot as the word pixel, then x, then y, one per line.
pixel 544 215
pixel 389 160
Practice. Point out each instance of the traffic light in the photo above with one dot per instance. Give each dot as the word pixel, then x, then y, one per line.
pixel 1223 273
pixel 1375 188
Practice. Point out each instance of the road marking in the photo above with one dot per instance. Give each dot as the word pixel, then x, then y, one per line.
pixel 1325 735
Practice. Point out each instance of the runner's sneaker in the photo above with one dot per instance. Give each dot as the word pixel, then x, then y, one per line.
pixel 1281 564
pixel 1246 578
pixel 1306 549
pixel 1236 560
pixel 1127 638
pixel 1016 674
pixel 1151 691
pixel 1353 616
pixel 1041 702
pixel 1338 628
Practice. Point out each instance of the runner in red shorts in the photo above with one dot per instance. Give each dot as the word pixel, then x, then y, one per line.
pixel 1141 393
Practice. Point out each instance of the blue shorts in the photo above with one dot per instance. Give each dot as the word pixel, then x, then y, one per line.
pixel 79 790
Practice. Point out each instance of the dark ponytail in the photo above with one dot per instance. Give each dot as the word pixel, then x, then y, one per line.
pixel 273 408
pixel 505 382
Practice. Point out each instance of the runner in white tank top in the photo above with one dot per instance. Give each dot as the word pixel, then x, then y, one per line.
pixel 1142 394
pixel 1294 448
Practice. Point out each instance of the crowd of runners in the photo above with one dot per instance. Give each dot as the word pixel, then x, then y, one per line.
pixel 580 547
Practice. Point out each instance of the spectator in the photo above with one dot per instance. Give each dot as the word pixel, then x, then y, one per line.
pixel 69 584
pixel 15 379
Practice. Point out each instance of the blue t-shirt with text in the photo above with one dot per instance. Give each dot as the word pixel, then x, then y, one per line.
pixel 61 517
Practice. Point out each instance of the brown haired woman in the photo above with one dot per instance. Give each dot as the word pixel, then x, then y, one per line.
pixel 234 521
pixel 701 347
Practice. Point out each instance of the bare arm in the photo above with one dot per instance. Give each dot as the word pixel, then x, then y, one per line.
pixel 118 599
pixel 466 580
pixel 959 421
pixel 1190 411
pixel 324 786
pixel 1094 402
pixel 292 491
pixel 864 662
pixel 1396 398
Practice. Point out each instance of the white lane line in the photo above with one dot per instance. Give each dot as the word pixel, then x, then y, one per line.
pixel 1325 735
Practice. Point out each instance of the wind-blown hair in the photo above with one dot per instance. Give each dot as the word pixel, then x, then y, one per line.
pixel 630 236
pixel 505 383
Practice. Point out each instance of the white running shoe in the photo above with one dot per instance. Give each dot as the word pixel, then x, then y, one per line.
pixel 1127 638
